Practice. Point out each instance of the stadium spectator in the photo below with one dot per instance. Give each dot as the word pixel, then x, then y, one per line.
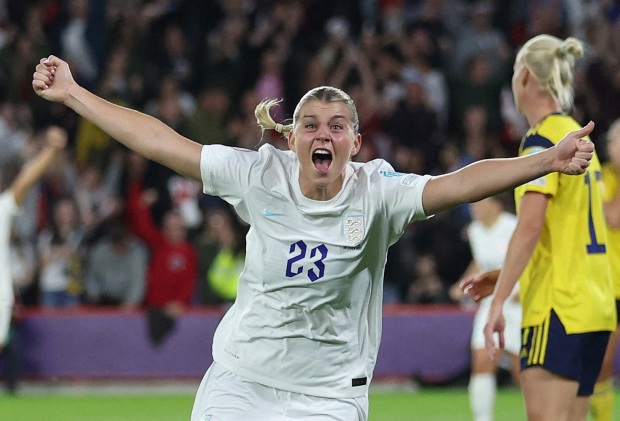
pixel 172 268
pixel 317 247
pixel 221 247
pixel 116 269
pixel 479 37
pixel 97 196
pixel 427 286
pixel 61 257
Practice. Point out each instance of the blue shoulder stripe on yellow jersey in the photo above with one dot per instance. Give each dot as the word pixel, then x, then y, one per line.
pixel 536 140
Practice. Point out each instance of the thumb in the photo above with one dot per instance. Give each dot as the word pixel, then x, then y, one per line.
pixel 584 131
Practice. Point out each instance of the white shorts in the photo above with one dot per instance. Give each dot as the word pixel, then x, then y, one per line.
pixel 512 332
pixel 225 396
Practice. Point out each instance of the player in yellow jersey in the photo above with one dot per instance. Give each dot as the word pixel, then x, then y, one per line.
pixel 558 250
pixel 602 401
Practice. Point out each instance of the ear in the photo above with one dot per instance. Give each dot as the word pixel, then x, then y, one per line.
pixel 357 145
pixel 525 76
pixel 291 141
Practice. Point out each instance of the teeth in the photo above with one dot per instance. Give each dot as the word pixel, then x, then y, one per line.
pixel 321 152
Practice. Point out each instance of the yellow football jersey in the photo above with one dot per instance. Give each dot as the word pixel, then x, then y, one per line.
pixel 569 271
pixel 611 188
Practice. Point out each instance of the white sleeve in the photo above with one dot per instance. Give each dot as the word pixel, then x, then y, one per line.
pixel 228 172
pixel 401 195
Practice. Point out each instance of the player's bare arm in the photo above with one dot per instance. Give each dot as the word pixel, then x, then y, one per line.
pixel 55 142
pixel 572 156
pixel 140 132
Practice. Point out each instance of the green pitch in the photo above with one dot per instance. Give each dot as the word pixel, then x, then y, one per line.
pixel 425 405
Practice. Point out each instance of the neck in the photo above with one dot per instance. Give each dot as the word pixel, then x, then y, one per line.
pixel 490 221
pixel 541 108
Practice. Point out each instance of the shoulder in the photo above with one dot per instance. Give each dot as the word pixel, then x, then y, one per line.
pixel 508 219
pixel 379 172
pixel 548 132
pixel 375 166
pixel 474 228
pixel 7 199
pixel 270 152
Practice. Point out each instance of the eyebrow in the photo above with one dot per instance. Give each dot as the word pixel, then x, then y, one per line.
pixel 334 117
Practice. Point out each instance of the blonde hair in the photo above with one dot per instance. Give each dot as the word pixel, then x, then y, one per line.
pixel 322 93
pixel 613 133
pixel 552 61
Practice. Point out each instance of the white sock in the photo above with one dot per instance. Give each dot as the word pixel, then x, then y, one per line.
pixel 482 390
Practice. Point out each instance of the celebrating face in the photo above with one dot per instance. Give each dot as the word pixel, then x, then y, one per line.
pixel 324 140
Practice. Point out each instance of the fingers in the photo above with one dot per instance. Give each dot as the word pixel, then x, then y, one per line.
pixel 489 344
pixel 578 165
pixel 467 286
pixel 51 61
pixel 472 293
pixel 465 283
pixel 585 147
pixel 501 339
pixel 43 76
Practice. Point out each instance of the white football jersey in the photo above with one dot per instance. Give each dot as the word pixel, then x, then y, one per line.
pixel 490 245
pixel 307 317
pixel 8 208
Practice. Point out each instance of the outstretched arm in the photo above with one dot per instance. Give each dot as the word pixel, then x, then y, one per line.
pixel 488 177
pixel 142 133
pixel 33 170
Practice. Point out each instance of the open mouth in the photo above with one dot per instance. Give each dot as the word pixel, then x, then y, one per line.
pixel 322 159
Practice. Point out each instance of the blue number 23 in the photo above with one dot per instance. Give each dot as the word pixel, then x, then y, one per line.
pixel 317 255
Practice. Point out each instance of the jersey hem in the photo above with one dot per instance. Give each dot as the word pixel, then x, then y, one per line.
pixel 323 392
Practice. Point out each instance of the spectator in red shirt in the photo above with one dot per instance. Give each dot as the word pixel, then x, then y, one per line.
pixel 173 266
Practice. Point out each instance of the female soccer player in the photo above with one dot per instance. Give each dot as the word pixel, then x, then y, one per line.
pixel 558 250
pixel 302 337
pixel 10 201
pixel 489 234
pixel 602 401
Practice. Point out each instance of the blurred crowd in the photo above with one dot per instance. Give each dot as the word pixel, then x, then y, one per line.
pixel 430 78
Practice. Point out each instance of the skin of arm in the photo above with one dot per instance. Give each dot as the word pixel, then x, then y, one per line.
pixel 522 244
pixel 488 177
pixel 56 139
pixel 142 133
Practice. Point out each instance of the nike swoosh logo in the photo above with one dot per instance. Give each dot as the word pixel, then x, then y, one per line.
pixel 269 213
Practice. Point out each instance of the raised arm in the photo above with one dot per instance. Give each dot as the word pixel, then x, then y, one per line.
pixel 142 133
pixel 488 177
pixel 33 170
